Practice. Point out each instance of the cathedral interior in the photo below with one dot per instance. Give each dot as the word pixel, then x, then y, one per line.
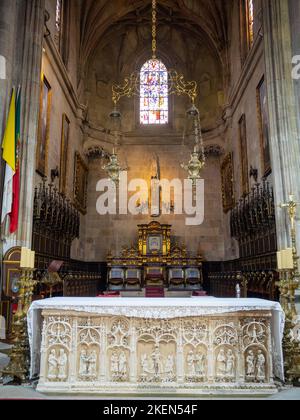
pixel 203 94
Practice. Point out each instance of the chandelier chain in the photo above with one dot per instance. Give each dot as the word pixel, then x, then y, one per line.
pixel 154 29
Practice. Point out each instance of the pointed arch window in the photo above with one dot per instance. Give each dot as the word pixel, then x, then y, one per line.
pixel 154 98
pixel 250 21
pixel 247 26
pixel 58 23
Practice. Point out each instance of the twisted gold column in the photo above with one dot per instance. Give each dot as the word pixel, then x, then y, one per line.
pixel 18 369
pixel 288 284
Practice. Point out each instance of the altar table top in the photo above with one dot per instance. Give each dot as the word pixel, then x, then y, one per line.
pixel 155 308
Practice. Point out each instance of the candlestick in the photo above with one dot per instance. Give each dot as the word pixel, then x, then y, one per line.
pixel 32 259
pixel 28 257
pixel 289 258
pixel 279 260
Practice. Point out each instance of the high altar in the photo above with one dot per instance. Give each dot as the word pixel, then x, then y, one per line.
pixel 156 346
pixel 154 262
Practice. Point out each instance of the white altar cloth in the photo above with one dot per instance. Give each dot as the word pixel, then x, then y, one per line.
pixel 158 308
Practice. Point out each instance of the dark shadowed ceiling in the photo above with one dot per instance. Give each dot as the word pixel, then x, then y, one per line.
pixel 204 19
pixel 192 37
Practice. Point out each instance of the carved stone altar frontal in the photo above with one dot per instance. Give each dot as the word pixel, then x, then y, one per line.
pixel 86 353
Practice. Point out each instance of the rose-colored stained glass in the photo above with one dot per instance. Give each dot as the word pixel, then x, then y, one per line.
pixel 154 101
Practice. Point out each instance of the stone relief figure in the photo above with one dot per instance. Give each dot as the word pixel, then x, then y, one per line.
pixel 200 364
pixel 123 364
pixel 191 364
pixel 221 364
pixel 230 364
pixel 114 364
pixel 169 367
pixel 119 366
pixel 83 368
pixel 145 364
pixel 250 363
pixel 156 357
pixel 92 367
pixel 156 368
pixel 88 365
pixel 52 365
pixel 62 365
pixel 196 365
pixel 260 366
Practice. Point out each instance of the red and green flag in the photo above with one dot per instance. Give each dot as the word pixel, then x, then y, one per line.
pixel 9 156
pixel 14 216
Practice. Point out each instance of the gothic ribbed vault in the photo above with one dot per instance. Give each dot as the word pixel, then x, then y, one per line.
pixel 204 19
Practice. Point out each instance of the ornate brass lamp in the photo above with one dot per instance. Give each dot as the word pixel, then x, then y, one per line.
pixel 193 131
pixel 194 167
pixel 113 167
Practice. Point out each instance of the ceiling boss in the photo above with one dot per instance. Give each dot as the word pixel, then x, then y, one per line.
pixel 170 83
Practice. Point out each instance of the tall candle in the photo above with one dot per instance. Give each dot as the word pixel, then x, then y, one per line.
pixel 289 256
pixel 23 258
pixel 279 260
pixel 28 257
pixel 284 259
pixel 32 259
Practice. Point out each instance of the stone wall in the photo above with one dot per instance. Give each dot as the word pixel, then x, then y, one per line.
pixel 222 100
pixel 61 104
pixel 103 233
pixel 120 52
pixel 242 99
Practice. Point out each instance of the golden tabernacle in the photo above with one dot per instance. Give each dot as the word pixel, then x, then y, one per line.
pixel 155 262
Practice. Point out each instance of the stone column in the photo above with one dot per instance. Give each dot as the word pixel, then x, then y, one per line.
pixel 7 39
pixel 294 6
pixel 284 136
pixel 29 41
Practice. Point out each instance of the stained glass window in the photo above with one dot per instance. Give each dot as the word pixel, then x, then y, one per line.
pixel 154 100
pixel 251 21
pixel 58 22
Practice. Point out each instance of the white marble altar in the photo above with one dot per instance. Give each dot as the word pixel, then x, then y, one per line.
pixel 152 346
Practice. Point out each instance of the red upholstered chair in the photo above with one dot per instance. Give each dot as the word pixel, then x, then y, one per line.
pixel 154 276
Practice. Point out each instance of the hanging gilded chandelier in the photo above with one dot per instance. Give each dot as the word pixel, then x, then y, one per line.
pixel 176 85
